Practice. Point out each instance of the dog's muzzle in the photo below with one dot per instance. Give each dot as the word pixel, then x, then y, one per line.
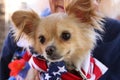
pixel 51 52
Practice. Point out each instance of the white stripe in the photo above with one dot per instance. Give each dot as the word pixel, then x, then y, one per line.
pixel 102 67
pixel 86 64
pixel 32 63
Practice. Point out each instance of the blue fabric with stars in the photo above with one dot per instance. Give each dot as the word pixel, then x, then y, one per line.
pixel 54 71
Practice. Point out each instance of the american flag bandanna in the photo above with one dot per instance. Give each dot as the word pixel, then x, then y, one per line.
pixel 49 71
pixel 92 69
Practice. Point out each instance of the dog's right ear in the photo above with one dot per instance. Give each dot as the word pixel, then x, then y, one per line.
pixel 85 11
pixel 26 22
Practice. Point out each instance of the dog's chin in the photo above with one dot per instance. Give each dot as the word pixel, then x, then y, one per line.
pixel 54 60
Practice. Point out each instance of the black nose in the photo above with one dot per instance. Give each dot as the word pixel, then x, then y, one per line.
pixel 50 50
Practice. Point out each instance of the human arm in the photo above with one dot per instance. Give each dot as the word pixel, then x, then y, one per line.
pixel 7 52
pixel 108 49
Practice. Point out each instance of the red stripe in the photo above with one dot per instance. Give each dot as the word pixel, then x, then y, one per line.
pixel 26 56
pixel 70 76
pixel 96 70
pixel 40 63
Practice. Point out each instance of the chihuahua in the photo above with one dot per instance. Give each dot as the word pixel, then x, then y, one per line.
pixel 61 36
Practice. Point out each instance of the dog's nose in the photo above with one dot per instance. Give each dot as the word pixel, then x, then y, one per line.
pixel 50 50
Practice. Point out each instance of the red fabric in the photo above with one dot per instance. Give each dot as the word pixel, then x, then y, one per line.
pixel 96 70
pixel 69 76
pixel 16 66
pixel 26 56
pixel 40 63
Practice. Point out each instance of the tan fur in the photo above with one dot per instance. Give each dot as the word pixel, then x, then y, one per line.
pixel 25 22
pixel 85 11
pixel 83 35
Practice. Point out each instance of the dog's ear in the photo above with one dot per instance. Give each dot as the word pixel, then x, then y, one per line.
pixel 25 22
pixel 85 11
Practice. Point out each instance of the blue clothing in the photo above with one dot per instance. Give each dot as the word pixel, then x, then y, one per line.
pixel 9 48
pixel 107 51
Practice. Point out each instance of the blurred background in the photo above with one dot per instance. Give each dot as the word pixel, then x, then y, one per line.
pixel 7 7
pixel 110 8
pixel 2 22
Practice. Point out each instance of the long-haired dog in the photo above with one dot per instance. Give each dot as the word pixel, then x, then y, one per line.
pixel 68 36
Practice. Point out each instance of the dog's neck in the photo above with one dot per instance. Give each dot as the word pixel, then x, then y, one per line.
pixel 78 61
pixel 75 66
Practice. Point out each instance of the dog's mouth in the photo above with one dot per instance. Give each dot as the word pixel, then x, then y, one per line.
pixel 56 57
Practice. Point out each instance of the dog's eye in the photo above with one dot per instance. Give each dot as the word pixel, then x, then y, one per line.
pixel 42 39
pixel 65 35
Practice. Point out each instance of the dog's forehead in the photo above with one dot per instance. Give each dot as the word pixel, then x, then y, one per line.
pixel 53 19
pixel 55 24
pixel 57 21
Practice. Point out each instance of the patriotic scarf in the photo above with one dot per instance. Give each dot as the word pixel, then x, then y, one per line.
pixel 91 68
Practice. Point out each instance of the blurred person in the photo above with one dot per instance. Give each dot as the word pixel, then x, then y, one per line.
pixel 107 50
pixel 111 10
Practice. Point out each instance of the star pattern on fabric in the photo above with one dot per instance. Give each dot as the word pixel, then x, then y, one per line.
pixel 47 77
pixel 55 73
pixel 55 70
pixel 58 79
pixel 62 69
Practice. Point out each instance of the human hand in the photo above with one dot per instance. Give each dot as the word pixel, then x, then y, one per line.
pixel 32 74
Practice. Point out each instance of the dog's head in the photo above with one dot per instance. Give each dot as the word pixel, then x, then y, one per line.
pixel 61 35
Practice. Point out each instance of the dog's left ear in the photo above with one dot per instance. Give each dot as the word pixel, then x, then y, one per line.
pixel 26 22
pixel 85 11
